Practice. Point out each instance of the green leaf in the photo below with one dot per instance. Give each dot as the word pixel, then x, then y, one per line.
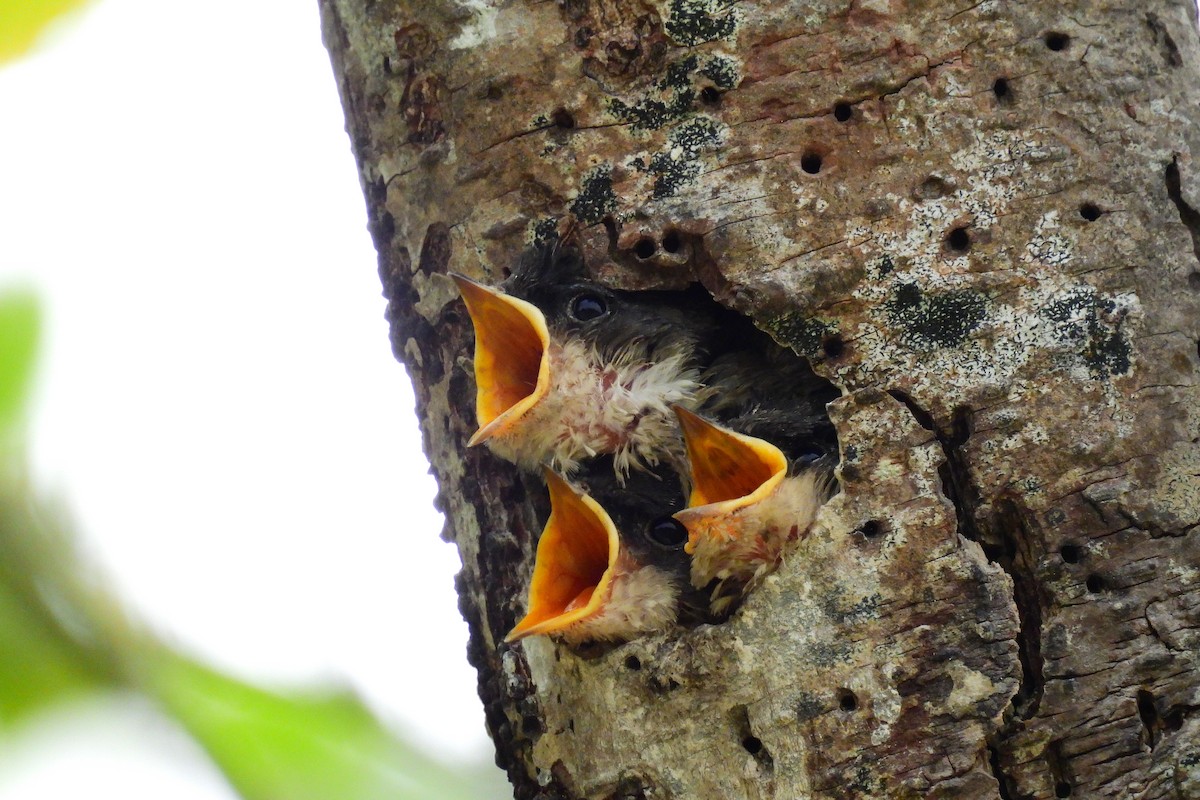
pixel 22 21
pixel 19 327
pixel 316 747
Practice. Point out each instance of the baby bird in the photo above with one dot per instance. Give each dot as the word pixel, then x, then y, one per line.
pixel 567 369
pixel 744 507
pixel 602 577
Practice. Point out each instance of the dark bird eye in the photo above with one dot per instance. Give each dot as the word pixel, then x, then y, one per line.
pixel 588 306
pixel 668 532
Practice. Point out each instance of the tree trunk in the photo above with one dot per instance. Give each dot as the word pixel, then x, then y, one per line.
pixel 980 221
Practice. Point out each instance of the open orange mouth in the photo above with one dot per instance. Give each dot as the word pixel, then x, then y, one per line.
pixel 730 470
pixel 512 370
pixel 576 556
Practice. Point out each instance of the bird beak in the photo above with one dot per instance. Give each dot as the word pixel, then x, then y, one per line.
pixel 512 371
pixel 729 470
pixel 576 561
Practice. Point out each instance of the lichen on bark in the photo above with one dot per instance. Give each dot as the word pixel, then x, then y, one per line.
pixel 978 219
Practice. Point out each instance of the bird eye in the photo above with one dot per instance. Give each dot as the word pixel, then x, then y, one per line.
pixel 668 532
pixel 588 306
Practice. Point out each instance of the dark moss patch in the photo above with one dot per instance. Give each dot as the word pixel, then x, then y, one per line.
pixel 675 94
pixel 1094 326
pixel 723 72
pixel 543 231
pixel 804 335
pixel 808 706
pixel 679 164
pixel 930 321
pixel 596 197
pixel 884 266
pixel 865 608
pixel 693 22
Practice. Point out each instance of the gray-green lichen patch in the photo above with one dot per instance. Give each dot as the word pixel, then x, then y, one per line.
pixel 1093 325
pixel 930 321
pixel 596 197
pixel 680 164
pixel 693 22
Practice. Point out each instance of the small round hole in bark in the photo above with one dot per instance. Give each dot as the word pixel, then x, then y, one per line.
pixel 843 111
pixel 710 95
pixel 562 119
pixel 645 247
pixel 1057 41
pixel 1070 553
pixel 810 163
pixel 672 242
pixel 633 663
pixel 1062 789
pixel 847 700
pixel 1090 211
pixel 833 346
pixel 871 528
pixel 753 745
pixel 1001 89
pixel 1095 583
pixel 959 240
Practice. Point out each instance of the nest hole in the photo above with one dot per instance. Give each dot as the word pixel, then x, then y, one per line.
pixel 847 700
pixel 1062 789
pixel 753 745
pixel 1090 212
pixel 959 240
pixel 633 663
pixel 710 96
pixel 1095 583
pixel 833 346
pixel 811 162
pixel 871 528
pixel 672 242
pixel 1001 89
pixel 645 248
pixel 563 119
pixel 1057 41
pixel 1071 553
pixel 842 112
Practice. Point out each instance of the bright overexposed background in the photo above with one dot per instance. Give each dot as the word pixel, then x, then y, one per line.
pixel 218 403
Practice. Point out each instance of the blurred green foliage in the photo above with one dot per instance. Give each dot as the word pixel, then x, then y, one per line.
pixel 63 635
pixel 22 21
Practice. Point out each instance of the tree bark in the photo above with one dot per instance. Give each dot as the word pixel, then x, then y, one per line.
pixel 980 221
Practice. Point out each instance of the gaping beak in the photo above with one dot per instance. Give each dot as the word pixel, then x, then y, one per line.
pixel 512 370
pixel 576 560
pixel 730 471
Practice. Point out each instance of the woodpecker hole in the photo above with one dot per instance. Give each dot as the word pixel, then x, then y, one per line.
pixel 1057 41
pixel 1062 789
pixel 871 528
pixel 833 346
pixel 843 111
pixel 811 163
pixel 645 247
pixel 710 95
pixel 562 119
pixel 1090 211
pixel 753 745
pixel 1001 89
pixel 672 243
pixel 847 700
pixel 633 663
pixel 1095 583
pixel 959 240
pixel 1070 553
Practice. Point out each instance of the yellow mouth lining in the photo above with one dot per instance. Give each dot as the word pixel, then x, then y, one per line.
pixel 512 371
pixel 729 470
pixel 575 560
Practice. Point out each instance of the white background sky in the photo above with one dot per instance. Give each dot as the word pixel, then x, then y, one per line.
pixel 218 402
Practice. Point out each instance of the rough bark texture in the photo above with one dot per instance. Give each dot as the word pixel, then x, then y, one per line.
pixel 980 220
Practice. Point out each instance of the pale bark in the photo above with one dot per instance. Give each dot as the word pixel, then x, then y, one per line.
pixel 1004 599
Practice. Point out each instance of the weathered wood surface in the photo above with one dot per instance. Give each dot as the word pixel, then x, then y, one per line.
pixel 980 220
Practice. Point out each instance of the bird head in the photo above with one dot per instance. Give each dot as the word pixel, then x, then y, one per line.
pixel 597 577
pixel 512 368
pixel 730 474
